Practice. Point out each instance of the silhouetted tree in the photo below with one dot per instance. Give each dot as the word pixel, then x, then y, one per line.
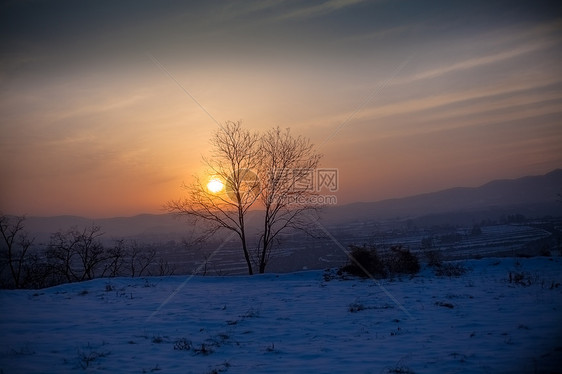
pixel 15 246
pixel 140 258
pixel 164 267
pixel 115 259
pixel 76 255
pixel 258 171
pixel 286 170
pixel 235 154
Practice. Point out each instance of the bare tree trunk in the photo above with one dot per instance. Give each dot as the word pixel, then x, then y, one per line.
pixel 243 239
pixel 234 156
pixel 265 244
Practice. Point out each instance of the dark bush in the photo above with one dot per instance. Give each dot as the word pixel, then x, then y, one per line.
pixel 365 262
pixel 434 258
pixel 402 261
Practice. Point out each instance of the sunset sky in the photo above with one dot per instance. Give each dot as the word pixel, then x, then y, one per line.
pixel 107 107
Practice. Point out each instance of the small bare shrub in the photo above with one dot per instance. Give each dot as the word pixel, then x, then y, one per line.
pixel 182 345
pixel 157 339
pixel 449 269
pixel 444 304
pixel 400 370
pixel 522 278
pixel 153 370
pixel 220 368
pixel 86 358
pixel 356 307
pixel 251 313
pixel 204 350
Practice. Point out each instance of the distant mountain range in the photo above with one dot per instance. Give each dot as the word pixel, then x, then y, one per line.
pixel 533 196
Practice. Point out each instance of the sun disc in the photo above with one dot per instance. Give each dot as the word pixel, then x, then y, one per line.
pixel 215 185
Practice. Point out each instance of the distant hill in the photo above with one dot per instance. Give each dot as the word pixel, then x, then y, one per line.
pixel 533 196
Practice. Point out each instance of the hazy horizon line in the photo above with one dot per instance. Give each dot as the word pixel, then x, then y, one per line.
pixel 71 215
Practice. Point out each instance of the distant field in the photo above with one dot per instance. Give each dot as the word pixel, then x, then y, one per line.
pixel 298 253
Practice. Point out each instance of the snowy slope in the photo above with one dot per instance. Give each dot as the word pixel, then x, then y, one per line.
pixel 291 323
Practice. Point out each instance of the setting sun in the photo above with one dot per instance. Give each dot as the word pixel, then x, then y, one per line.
pixel 215 185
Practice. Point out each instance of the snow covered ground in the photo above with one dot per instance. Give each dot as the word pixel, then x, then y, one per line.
pixel 292 323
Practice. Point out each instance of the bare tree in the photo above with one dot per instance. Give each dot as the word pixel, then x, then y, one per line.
pixel 255 170
pixel 16 243
pixel 140 258
pixel 234 157
pixel 165 268
pixel 37 271
pixel 90 251
pixel 286 172
pixel 115 259
pixel 60 253
pixel 76 255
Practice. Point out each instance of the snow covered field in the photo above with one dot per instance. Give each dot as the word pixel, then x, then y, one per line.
pixel 293 323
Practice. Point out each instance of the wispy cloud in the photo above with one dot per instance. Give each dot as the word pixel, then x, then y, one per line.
pixel 235 9
pixel 477 62
pixel 478 119
pixel 100 107
pixel 440 101
pixel 384 33
pixel 320 9
pixel 460 108
pixel 506 43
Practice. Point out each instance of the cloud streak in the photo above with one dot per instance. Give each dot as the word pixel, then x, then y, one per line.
pixel 478 62
pixel 319 10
